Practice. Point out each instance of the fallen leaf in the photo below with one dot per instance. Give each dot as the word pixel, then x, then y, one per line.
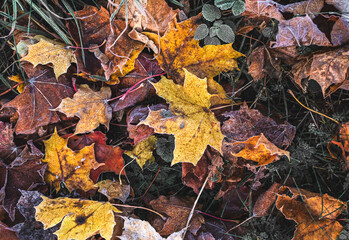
pixel 112 189
pixel 96 27
pixel 177 211
pixel 25 173
pixel 165 147
pixel 80 219
pixel 91 107
pixel 213 229
pixel 235 201
pixel 6 233
pixel 265 201
pixel 327 69
pixel 310 8
pixel 218 92
pixel 314 213
pixel 340 32
pixel 299 31
pixel 18 79
pixel 155 17
pixel 42 93
pixel 121 50
pixel 139 132
pixel 265 61
pixel 246 123
pixel 143 151
pixel 7 146
pixel 110 156
pixel 145 67
pixel 67 166
pixel 139 229
pixel 50 51
pixel 342 141
pixel 208 166
pixel 30 228
pixel 262 8
pixel 341 5
pixel 179 41
pixel 260 150
pixel 190 120
pixel 272 9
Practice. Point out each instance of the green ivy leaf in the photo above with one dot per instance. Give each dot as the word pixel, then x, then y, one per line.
pixel 238 7
pixel 211 41
pixel 224 4
pixel 226 34
pixel 210 12
pixel 201 32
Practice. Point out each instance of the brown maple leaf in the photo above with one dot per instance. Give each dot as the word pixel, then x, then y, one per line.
pixel 43 93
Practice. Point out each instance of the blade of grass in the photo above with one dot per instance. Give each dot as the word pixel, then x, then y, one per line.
pixel 70 10
pixel 52 23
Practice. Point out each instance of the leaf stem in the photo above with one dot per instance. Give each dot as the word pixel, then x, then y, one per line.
pixel 131 88
pixel 3 93
pixel 139 207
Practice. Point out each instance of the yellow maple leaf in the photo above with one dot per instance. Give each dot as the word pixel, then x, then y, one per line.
pixel 113 189
pixel 143 151
pixel 260 149
pixel 80 219
pixel 49 51
pixel 91 107
pixel 180 50
pixel 65 165
pixel 18 78
pixel 190 120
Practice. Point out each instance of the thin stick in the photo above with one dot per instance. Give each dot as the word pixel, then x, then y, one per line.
pixel 290 92
pixel 193 208
pixel 11 88
pixel 248 219
pixel 151 183
pixel 131 88
pixel 222 219
pixel 148 209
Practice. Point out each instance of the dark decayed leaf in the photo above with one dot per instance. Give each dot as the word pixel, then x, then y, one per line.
pixel 24 173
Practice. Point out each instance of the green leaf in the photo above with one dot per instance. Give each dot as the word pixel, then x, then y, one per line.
pixel 165 148
pixel 238 7
pixel 213 31
pixel 226 34
pixel 210 12
pixel 217 23
pixel 201 32
pixel 211 41
pixel 223 4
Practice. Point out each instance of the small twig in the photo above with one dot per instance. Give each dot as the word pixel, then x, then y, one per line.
pixel 248 219
pixel 222 219
pixel 290 92
pixel 122 97
pixel 195 203
pixel 151 183
pixel 11 88
pixel 139 207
